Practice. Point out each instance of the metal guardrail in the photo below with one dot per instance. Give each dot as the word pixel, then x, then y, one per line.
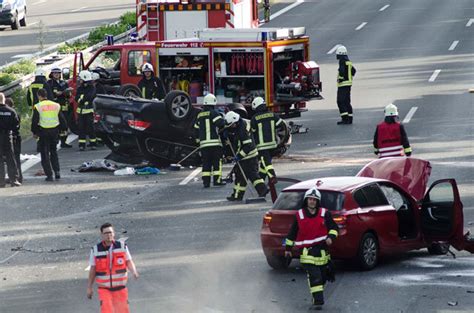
pixel 56 60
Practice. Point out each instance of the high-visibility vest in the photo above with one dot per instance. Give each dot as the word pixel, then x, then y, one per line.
pixel 111 265
pixel 311 231
pixel 346 81
pixel 48 113
pixel 389 140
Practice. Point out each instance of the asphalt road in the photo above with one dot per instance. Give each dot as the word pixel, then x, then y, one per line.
pixel 53 21
pixel 198 253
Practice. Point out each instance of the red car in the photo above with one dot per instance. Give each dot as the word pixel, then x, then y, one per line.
pixel 382 210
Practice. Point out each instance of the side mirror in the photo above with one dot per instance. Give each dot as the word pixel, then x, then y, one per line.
pixel 66 73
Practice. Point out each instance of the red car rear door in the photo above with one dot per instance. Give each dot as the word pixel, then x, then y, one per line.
pixel 442 216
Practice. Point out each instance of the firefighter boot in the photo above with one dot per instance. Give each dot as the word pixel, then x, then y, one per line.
pixel 349 119
pixel 344 120
pixel 218 181
pixel 64 144
pixel 262 190
pixel 206 181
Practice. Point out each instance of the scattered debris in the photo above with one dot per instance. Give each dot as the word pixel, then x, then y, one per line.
pixel 42 251
pixel 40 173
pixel 452 303
pixel 96 165
pixel 115 213
pixel 147 171
pixel 125 171
pixel 94 197
pixel 25 157
pixel 274 300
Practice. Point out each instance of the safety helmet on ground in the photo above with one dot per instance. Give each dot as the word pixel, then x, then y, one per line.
pixel 40 72
pixel 147 67
pixel 341 50
pixel 210 99
pixel 231 117
pixel 313 193
pixel 258 101
pixel 391 110
pixel 85 75
pixel 56 70
pixel 95 76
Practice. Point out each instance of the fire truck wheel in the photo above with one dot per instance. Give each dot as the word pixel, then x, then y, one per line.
pixel 178 105
pixel 129 90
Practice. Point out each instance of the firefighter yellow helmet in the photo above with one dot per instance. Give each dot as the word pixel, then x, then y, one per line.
pixel 258 101
pixel 231 117
pixel 209 99
pixel 313 193
pixel 85 75
pixel 341 50
pixel 391 110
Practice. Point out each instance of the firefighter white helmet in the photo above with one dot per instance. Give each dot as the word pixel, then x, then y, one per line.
pixel 95 76
pixel 341 50
pixel 231 117
pixel 85 75
pixel 258 101
pixel 147 67
pixel 40 72
pixel 313 193
pixel 210 99
pixel 391 110
pixel 56 70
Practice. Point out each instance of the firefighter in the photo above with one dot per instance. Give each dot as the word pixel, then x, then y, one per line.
pixel 246 155
pixel 40 82
pixel 150 86
pixel 390 138
pixel 16 138
pixel 84 97
pixel 346 73
pixel 264 125
pixel 46 124
pixel 313 230
pixel 109 262
pixel 60 91
pixel 9 124
pixel 208 123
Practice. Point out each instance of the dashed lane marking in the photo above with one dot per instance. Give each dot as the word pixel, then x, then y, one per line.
pixel 384 7
pixel 361 26
pixel 190 176
pixel 453 45
pixel 333 49
pixel 77 10
pixel 286 9
pixel 410 114
pixel 470 22
pixel 434 75
pixel 39 2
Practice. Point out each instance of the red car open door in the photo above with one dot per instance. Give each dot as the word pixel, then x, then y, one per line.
pixel 442 216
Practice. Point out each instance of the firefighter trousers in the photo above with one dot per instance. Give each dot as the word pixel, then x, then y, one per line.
pixel 211 165
pixel 6 154
pixel 48 141
pixel 250 168
pixel 113 301
pixel 16 152
pixel 67 116
pixel 265 164
pixel 344 103
pixel 314 261
pixel 86 129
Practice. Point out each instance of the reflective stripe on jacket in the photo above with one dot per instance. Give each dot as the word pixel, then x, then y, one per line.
pixel 311 231
pixel 245 145
pixel 111 265
pixel 207 124
pixel 345 77
pixel 389 140
pixel 264 126
pixel 48 113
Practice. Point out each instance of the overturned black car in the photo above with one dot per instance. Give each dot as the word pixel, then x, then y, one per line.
pixel 160 132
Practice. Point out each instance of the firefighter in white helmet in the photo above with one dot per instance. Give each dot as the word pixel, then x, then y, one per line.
pixel 246 155
pixel 208 125
pixel 264 125
pixel 313 231
pixel 40 82
pixel 85 110
pixel 346 72
pixel 151 87
pixel 61 95
pixel 390 138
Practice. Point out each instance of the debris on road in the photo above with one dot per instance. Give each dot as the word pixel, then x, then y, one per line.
pixel 147 171
pixel 96 165
pixel 452 303
pixel 94 197
pixel 125 171
pixel 26 157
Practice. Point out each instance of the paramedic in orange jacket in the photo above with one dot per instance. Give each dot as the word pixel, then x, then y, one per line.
pixel 109 263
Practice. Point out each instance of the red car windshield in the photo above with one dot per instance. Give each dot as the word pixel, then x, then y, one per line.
pixel 293 200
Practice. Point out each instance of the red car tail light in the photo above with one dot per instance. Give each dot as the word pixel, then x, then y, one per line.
pixel 267 219
pixel 340 220
pixel 97 118
pixel 138 125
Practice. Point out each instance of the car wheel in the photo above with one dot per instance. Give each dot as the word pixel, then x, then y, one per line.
pixel 178 105
pixel 278 262
pixel 23 20
pixel 368 252
pixel 438 248
pixel 129 90
pixel 15 24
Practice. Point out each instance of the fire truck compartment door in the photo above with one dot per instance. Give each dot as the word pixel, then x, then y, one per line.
pixel 183 24
pixel 279 49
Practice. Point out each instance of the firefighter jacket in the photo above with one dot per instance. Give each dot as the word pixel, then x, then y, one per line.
pixel 345 73
pixel 246 148
pixel 58 88
pixel 111 265
pixel 40 82
pixel 390 139
pixel 264 125
pixel 47 115
pixel 84 97
pixel 207 126
pixel 152 88
pixel 9 121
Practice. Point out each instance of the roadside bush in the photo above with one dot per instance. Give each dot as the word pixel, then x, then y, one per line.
pixel 23 110
pixel 5 78
pixel 73 47
pixel 129 18
pixel 23 67
pixel 98 34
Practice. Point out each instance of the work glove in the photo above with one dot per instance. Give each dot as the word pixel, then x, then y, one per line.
pixel 376 152
pixel 408 154
pixel 237 158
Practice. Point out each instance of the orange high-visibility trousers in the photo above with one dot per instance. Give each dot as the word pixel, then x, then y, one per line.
pixel 113 301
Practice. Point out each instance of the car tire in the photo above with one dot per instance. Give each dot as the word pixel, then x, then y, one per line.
pixel 129 90
pixel 178 105
pixel 368 253
pixel 278 262
pixel 23 20
pixel 16 24
pixel 438 248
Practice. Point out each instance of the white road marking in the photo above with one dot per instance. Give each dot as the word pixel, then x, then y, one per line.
pixel 32 162
pixel 333 49
pixel 453 45
pixel 190 176
pixel 286 9
pixel 77 10
pixel 384 7
pixel 410 114
pixel 87 268
pixel 39 2
pixel 470 22
pixel 361 26
pixel 21 56
pixel 32 24
pixel 18 251
pixel 434 75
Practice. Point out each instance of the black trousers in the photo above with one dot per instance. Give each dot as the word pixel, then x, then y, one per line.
pixel 211 165
pixel 16 153
pixel 344 102
pixel 67 116
pixel 250 168
pixel 6 154
pixel 86 129
pixel 316 281
pixel 48 149
pixel 265 164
